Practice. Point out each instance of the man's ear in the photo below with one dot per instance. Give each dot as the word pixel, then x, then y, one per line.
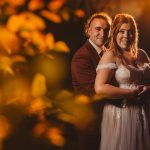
pixel 89 31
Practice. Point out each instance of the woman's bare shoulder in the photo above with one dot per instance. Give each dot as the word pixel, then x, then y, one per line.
pixel 108 56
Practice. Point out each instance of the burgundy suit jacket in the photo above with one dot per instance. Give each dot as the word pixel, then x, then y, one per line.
pixel 83 69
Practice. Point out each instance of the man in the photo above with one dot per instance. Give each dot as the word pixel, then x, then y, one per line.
pixel 83 70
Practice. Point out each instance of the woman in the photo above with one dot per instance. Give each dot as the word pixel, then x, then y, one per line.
pixel 124 125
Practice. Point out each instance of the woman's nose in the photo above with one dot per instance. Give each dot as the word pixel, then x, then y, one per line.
pixel 125 34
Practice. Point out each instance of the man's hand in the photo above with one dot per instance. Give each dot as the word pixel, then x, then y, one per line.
pixel 145 89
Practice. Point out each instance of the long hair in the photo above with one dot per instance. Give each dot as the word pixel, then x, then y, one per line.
pixel 118 21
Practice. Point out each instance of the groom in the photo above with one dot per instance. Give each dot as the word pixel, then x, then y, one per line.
pixel 83 70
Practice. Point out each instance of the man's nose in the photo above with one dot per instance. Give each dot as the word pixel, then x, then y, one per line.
pixel 102 32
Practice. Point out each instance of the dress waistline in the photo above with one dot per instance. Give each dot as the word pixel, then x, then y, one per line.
pixel 122 103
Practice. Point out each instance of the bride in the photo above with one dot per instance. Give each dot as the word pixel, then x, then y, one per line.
pixel 124 124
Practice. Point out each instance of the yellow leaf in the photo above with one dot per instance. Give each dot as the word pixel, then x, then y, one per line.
pixel 25 34
pixel 55 5
pixel 82 99
pixel 19 94
pixel 36 105
pixel 5 127
pixel 18 58
pixel 55 136
pixel 29 51
pixel 65 14
pixel 16 2
pixel 40 129
pixel 38 40
pixel 15 22
pixel 25 21
pixel 61 47
pixel 33 21
pixel 9 42
pixel 49 40
pixel 39 86
pixel 79 13
pixel 51 16
pixel 5 65
pixel 74 109
pixel 35 4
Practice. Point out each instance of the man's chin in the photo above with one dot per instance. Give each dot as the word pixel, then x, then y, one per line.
pixel 100 44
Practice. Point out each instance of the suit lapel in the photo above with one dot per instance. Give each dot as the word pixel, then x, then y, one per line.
pixel 94 55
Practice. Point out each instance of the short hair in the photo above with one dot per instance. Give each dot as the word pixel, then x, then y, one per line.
pixel 100 15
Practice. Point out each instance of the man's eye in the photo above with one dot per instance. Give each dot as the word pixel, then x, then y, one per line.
pixel 121 32
pixel 98 29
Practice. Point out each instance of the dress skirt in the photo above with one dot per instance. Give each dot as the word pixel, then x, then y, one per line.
pixel 124 128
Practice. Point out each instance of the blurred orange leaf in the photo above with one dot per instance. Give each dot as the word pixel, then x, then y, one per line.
pixel 65 15
pixel 35 4
pixel 38 39
pixel 40 129
pixel 79 13
pixel 61 47
pixel 9 42
pixel 73 110
pixel 51 16
pixel 19 94
pixel 15 23
pixel 5 65
pixel 55 5
pixel 37 106
pixel 49 40
pixel 25 21
pixel 18 58
pixel 55 136
pixel 16 2
pixel 5 127
pixel 39 86
pixel 82 99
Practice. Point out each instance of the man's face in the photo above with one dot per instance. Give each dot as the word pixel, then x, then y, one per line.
pixel 98 31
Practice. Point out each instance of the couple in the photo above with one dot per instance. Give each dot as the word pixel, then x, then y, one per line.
pixel 121 75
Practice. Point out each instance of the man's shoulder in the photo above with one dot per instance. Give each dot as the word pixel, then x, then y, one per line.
pixel 83 50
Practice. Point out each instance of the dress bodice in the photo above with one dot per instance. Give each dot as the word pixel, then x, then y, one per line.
pixel 128 76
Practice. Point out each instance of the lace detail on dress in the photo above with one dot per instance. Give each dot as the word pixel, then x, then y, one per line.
pixel 106 66
pixel 146 65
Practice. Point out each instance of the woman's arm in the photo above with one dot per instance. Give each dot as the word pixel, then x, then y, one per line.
pixel 103 78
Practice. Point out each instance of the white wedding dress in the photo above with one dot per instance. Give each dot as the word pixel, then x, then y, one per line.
pixel 125 127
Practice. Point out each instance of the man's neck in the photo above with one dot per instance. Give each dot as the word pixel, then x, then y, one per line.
pixel 98 49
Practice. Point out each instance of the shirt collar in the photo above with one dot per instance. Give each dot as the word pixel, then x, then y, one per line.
pixel 98 50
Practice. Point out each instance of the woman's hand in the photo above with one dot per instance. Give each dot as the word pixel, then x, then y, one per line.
pixel 145 90
pixel 138 90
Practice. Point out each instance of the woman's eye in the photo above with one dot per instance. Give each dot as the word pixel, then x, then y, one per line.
pixel 130 33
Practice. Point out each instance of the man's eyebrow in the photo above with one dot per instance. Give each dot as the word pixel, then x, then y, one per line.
pixel 121 29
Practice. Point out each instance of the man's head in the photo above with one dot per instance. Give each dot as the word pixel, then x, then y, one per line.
pixel 97 28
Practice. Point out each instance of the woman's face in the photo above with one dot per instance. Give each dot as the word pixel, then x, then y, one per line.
pixel 124 37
